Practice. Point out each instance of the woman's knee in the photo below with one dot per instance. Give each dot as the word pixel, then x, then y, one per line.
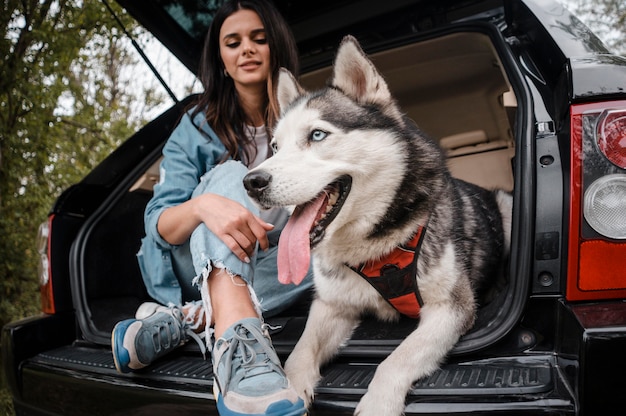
pixel 226 180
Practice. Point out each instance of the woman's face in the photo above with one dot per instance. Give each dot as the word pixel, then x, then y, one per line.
pixel 244 50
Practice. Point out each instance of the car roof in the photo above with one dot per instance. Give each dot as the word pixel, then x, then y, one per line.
pixel 318 26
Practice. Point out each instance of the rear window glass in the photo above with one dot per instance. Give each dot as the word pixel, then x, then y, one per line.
pixel 194 16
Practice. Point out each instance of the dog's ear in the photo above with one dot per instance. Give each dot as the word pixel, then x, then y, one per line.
pixel 287 89
pixel 356 75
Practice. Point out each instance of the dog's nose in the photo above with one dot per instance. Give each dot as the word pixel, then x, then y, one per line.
pixel 256 182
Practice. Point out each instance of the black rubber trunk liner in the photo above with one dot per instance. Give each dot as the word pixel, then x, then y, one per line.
pixel 452 379
pixel 476 378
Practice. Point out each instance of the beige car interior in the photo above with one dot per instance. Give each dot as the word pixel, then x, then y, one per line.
pixel 457 91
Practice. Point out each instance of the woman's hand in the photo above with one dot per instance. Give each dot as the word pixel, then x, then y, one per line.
pixel 230 221
pixel 234 224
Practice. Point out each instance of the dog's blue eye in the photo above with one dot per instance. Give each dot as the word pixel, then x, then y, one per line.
pixel 318 135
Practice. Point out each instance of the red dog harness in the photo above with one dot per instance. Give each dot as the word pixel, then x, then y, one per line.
pixel 393 276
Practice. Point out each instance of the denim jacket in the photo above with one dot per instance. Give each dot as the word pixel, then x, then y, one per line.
pixel 190 154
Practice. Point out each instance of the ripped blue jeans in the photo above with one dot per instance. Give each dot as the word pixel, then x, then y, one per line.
pixel 204 251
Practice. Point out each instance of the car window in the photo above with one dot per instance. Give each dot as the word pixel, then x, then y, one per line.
pixel 194 16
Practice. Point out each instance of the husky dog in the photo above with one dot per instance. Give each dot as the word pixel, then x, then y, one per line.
pixel 369 187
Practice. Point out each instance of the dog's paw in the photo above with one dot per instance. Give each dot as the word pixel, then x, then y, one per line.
pixel 378 404
pixel 303 378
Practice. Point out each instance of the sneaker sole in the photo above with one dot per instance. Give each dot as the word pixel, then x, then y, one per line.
pixel 297 408
pixel 121 357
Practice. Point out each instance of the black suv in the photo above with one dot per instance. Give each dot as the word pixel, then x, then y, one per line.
pixel 521 96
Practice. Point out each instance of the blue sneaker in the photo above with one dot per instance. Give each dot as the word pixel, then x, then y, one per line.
pixel 249 379
pixel 155 331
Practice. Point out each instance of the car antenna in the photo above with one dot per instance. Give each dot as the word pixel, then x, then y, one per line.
pixel 141 53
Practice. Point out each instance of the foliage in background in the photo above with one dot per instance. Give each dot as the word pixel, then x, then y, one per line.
pixel 65 103
pixel 606 18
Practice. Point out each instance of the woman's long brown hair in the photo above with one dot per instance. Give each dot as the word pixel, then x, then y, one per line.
pixel 219 101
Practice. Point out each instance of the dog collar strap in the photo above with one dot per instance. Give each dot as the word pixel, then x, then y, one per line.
pixel 393 276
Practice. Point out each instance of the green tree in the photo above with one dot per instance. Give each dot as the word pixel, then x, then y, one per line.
pixel 64 105
pixel 606 18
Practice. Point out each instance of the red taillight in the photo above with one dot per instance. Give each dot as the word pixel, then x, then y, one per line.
pixel 604 206
pixel 597 223
pixel 611 136
pixel 45 273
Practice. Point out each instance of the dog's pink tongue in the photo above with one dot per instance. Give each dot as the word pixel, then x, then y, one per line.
pixel 294 247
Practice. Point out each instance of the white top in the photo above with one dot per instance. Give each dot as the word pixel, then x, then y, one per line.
pixel 277 216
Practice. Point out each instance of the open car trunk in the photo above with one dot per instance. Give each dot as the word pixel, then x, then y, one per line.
pixel 462 88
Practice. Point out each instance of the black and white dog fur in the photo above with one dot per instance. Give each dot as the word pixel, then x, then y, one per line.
pixel 372 178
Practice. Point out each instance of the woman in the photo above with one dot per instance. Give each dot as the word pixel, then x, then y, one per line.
pixel 202 228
